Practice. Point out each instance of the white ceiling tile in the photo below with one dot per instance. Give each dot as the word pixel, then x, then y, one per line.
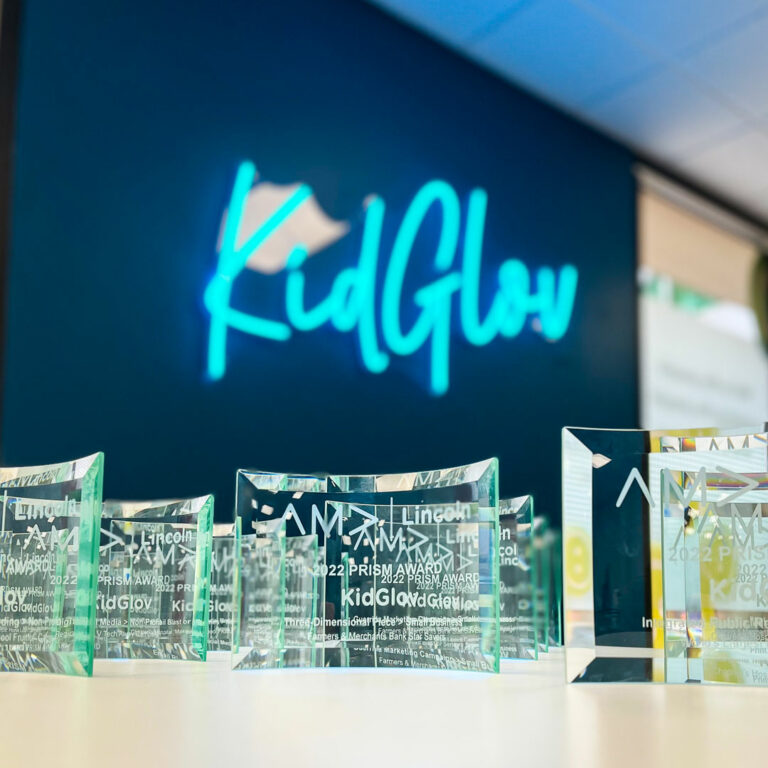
pixel 672 25
pixel 677 79
pixel 557 49
pixel 665 114
pixel 450 20
pixel 737 66
pixel 738 167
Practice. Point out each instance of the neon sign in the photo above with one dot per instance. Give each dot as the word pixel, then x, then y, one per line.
pixel 275 229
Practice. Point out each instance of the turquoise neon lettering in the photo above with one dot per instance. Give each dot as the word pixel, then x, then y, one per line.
pixel 351 304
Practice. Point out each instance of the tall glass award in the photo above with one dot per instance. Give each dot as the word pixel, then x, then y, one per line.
pixel 154 579
pixel 224 578
pixel 517 563
pixel 49 541
pixel 715 558
pixel 612 539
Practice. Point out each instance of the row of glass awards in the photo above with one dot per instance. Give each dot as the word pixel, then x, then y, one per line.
pixel 424 570
pixel 665 566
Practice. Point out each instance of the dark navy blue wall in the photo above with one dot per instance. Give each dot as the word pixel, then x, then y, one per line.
pixel 132 119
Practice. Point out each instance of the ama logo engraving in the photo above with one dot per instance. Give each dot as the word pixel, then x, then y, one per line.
pixel 273 229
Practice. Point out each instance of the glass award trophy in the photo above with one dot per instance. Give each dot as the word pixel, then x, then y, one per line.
pixel 517 579
pixel 613 566
pixel 417 586
pixel 715 563
pixel 49 526
pixel 154 579
pixel 313 620
pixel 258 642
pixel 224 577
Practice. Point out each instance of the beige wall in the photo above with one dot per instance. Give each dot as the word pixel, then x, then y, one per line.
pixel 693 252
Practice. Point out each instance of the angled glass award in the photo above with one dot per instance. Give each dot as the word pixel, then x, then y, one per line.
pixel 715 558
pixel 517 578
pixel 224 577
pixel 259 641
pixel 49 541
pixel 614 627
pixel 154 579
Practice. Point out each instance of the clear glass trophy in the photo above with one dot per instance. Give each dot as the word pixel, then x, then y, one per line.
pixel 613 518
pixel 417 586
pixel 517 579
pixel 49 540
pixel 715 564
pixel 313 622
pixel 224 578
pixel 154 579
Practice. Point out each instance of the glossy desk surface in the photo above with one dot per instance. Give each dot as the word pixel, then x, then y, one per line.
pixel 184 714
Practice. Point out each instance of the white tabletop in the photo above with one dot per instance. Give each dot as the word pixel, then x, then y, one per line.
pixel 157 714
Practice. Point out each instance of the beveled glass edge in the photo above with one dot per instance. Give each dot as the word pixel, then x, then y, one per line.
pixel 222 530
pixel 283 481
pixel 407 481
pixel 49 474
pixel 578 605
pixel 514 505
pixel 674 440
pixel 115 509
pixel 202 593
pixel 486 469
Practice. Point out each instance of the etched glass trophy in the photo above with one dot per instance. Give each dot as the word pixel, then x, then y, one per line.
pixel 259 641
pixel 224 578
pixel 715 555
pixel 49 541
pixel 417 586
pixel 613 567
pixel 154 579
pixel 517 579
pixel 313 622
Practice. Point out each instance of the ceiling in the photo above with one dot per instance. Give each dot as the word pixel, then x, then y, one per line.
pixel 685 82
